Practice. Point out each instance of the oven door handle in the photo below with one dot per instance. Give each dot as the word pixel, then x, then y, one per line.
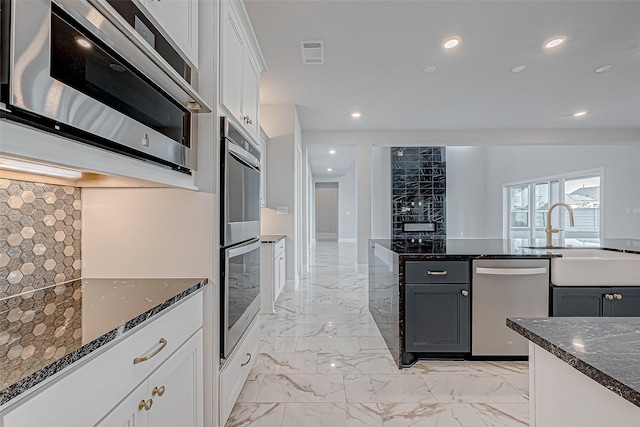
pixel 245 249
pixel 243 156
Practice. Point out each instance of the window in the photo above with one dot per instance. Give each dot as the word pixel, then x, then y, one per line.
pixel 527 206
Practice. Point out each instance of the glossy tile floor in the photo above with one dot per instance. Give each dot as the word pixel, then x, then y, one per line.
pixel 322 362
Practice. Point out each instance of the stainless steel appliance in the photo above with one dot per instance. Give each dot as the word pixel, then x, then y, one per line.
pixel 501 289
pixel 239 235
pixel 99 72
pixel 240 180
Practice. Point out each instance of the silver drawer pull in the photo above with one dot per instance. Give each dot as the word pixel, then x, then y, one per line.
pixel 162 344
pixel 437 273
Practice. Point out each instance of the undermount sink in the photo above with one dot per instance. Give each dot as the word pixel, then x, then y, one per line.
pixel 594 267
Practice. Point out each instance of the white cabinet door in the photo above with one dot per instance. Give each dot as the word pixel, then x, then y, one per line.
pixel 282 274
pixel 250 96
pixel 231 60
pixel 179 18
pixel 133 411
pixel 176 388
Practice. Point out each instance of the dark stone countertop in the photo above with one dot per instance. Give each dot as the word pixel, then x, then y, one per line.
pixel 46 330
pixel 271 238
pixel 605 349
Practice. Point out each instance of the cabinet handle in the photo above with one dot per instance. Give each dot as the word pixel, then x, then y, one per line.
pixel 145 405
pixel 247 362
pixel 464 292
pixel 617 296
pixel 158 391
pixel 608 296
pixel 163 344
pixel 437 273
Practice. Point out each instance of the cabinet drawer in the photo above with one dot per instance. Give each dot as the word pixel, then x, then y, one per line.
pixel 236 370
pixel 279 247
pixel 111 374
pixel 436 272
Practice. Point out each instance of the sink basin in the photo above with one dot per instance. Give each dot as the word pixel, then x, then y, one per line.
pixel 594 267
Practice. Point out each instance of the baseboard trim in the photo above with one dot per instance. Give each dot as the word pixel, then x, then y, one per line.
pixel 347 240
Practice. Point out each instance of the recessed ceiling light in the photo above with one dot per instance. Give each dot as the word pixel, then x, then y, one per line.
pixel 518 69
pixel 329 169
pixel 580 113
pixel 451 42
pixel 83 42
pixel 332 151
pixel 355 115
pixel 604 68
pixel 430 69
pixel 555 42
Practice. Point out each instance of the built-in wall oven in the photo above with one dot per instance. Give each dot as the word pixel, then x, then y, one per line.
pixel 99 72
pixel 239 235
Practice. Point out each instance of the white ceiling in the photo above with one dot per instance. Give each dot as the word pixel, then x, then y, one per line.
pixel 320 159
pixel 376 51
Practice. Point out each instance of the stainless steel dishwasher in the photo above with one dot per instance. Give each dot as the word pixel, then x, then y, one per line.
pixel 506 288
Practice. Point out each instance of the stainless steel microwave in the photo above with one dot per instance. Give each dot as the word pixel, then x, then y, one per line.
pixel 99 72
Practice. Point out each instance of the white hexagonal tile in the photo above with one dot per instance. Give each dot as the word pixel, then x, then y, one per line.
pixel 60 330
pixel 27 316
pixel 39 249
pixel 77 294
pixel 77 224
pixel 27 232
pixel 60 214
pixel 15 277
pixel 27 268
pixel 77 205
pixel 26 294
pixel 4 337
pixel 60 352
pixel 50 264
pixel 27 352
pixel 49 198
pixel 59 278
pixel 49 220
pixel 68 250
pixel 4 183
pixel 69 190
pixel 14 314
pixel 59 236
pixel 49 352
pixel 69 312
pixel 77 334
pixel 50 309
pixel 14 239
pixel 77 264
pixel 28 196
pixel 39 329
pixel 4 259
pixel 59 290
pixel 15 202
pixel 14 352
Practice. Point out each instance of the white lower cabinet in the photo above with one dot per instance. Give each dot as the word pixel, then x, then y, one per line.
pixel 273 273
pixel 170 397
pixel 236 369
pixel 108 387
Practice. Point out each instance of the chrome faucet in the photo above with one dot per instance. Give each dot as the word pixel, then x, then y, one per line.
pixel 550 230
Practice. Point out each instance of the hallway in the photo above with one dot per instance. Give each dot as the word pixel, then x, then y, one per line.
pixel 323 362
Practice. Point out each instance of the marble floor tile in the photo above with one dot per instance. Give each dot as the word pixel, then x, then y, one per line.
pixel 520 383
pixel 387 388
pixel 358 330
pixel 273 344
pixel 249 392
pixel 376 344
pixel 471 389
pixel 310 330
pixel 354 363
pixel 290 363
pixel 498 368
pixel 451 367
pixel 256 415
pixel 503 414
pixel 302 388
pixel 332 415
pixel 433 415
pixel 328 344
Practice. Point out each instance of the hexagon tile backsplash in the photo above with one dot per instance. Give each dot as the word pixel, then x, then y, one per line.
pixel 40 231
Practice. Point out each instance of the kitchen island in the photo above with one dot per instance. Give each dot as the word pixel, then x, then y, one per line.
pixel 583 372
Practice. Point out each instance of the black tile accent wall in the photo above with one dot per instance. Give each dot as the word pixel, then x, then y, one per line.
pixel 419 190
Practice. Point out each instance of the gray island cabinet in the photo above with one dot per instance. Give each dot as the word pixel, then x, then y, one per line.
pixel 596 301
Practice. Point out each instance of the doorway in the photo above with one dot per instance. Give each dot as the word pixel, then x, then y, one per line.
pixel 326 209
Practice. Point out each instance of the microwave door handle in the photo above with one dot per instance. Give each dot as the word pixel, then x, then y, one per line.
pixel 244 249
pixel 244 156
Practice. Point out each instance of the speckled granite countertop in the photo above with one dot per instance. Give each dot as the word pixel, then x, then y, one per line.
pixel 46 330
pixel 606 349
pixel 271 238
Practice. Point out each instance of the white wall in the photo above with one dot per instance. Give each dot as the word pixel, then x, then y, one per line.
pixel 466 192
pixel 327 212
pixel 347 208
pixel 381 198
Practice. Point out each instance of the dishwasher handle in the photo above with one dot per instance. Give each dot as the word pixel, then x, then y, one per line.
pixel 511 271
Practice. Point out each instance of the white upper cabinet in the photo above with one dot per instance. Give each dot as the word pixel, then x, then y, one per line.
pixel 241 63
pixel 179 18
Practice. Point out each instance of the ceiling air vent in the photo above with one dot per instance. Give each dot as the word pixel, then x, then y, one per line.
pixel 312 51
